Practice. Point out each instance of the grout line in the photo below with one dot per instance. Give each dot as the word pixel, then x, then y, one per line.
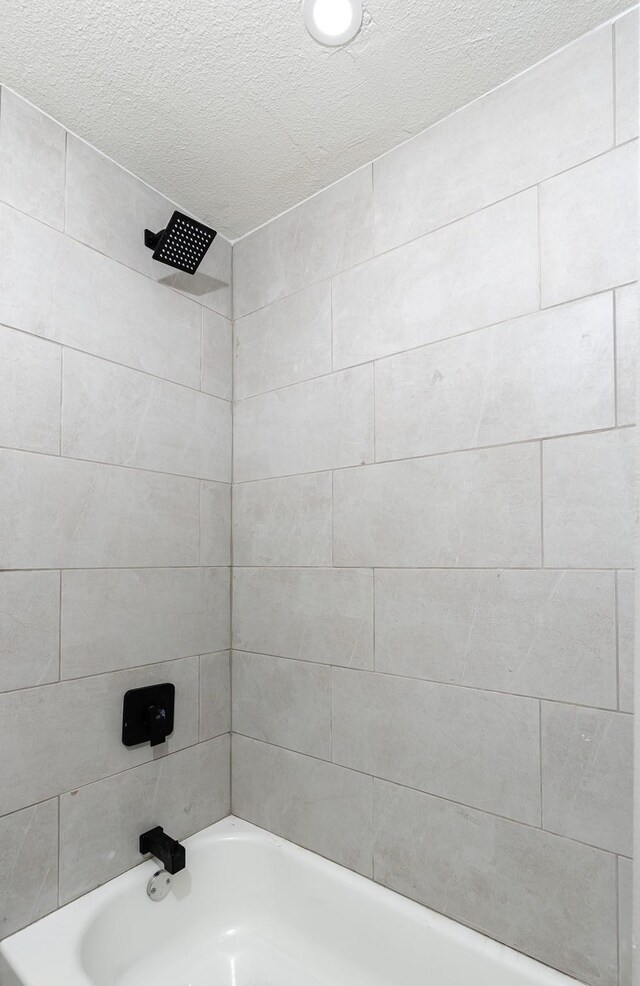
pixel 380 673
pixel 439 797
pixel 542 505
pixel 615 358
pixel 614 72
pixel 111 671
pixel 47 340
pixel 317 568
pixel 534 440
pixel 540 762
pixel 539 244
pixel 616 631
pixel 618 918
pixel 122 465
pixel 60 611
pixel 59 806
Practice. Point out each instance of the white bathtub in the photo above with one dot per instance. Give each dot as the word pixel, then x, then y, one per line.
pixel 254 910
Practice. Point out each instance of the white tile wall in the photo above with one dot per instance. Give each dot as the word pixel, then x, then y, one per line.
pixel 30 392
pixel 317 614
pixel 32 160
pixel 52 286
pixel 107 357
pixel 545 121
pixel 125 618
pixel 283 702
pixel 28 865
pixel 589 227
pixel 587 777
pixel 626 638
pixel 217 355
pixel 478 271
pixel 29 628
pixel 626 352
pixel 419 733
pixel 466 510
pixel 57 512
pixel 493 514
pixel 501 630
pixel 589 500
pixel 626 47
pixel 113 414
pixel 525 887
pixel 283 521
pixel 543 374
pixel 319 805
pixel 286 342
pixel 308 427
pixel 325 234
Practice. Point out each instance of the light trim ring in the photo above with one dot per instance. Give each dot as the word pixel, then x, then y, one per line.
pixel 332 22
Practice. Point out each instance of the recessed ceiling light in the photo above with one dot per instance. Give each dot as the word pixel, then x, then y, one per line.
pixel 333 22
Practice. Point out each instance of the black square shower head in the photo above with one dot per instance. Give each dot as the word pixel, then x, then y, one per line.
pixel 182 244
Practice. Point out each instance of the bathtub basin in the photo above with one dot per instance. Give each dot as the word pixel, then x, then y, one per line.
pixel 254 910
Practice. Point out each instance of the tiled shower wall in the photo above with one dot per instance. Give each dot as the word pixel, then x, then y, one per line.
pixel 432 519
pixel 115 469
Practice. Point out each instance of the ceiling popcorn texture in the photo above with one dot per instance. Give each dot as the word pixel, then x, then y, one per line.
pixel 231 109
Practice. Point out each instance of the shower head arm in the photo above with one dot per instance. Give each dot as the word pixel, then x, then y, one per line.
pixel 152 240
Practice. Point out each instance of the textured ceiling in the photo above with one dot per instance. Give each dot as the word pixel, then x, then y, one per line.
pixel 229 107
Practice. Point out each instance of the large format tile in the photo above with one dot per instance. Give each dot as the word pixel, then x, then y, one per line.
pixel 28 866
pixel 312 614
pixel 29 628
pixel 215 695
pixel 286 342
pixel 627 329
pixel 543 895
pixel 32 165
pixel 546 634
pixel 556 115
pixel 626 638
pixel 100 824
pixel 284 702
pixel 60 513
pixel 113 414
pixel 79 725
pixel 478 748
pixel 320 424
pixel 544 374
pixel 588 227
pixel 471 509
pixel 29 392
pixel 626 37
pixel 283 521
pixel 124 618
pixel 587 775
pixel 315 804
pixel 217 355
pixel 215 524
pixel 480 270
pixel 327 233
pixel 625 905
pixel 55 287
pixel 588 500
pixel 94 184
